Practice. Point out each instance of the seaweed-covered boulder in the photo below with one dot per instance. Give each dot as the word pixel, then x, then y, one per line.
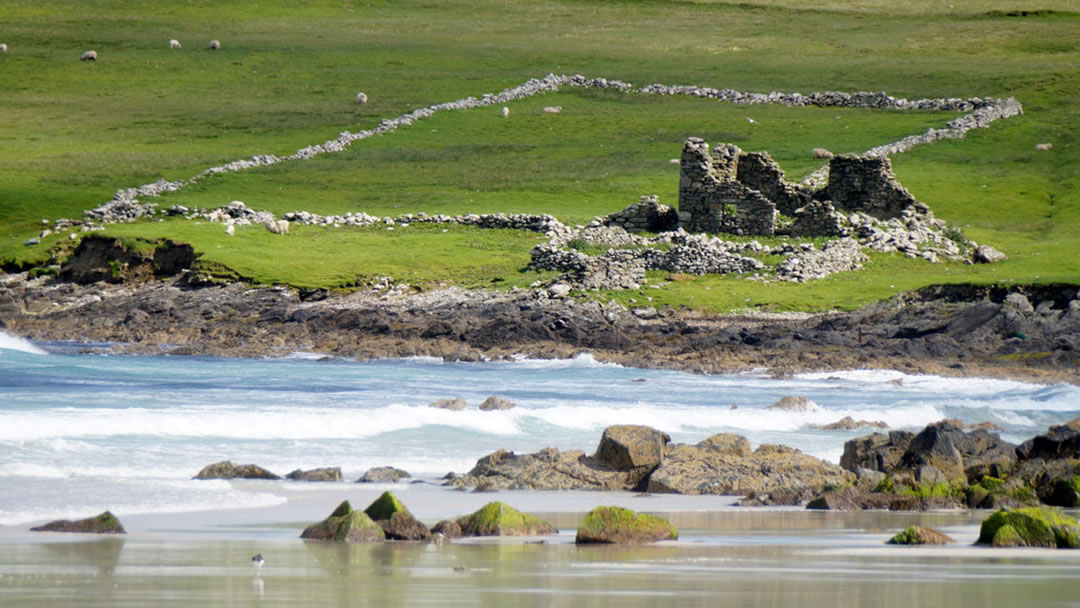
pixel 918 535
pixel 345 525
pixel 323 474
pixel 227 470
pixel 395 519
pixel 1030 527
pixel 385 506
pixel 106 523
pixel 383 475
pixel 499 519
pixel 615 525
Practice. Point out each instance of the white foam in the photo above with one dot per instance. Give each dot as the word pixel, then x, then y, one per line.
pixel 579 361
pixel 10 342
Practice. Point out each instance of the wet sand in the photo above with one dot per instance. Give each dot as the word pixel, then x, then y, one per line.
pixel 725 555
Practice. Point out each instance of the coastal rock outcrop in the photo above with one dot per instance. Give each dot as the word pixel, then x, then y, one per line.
pixel 106 523
pixel 227 470
pixel 699 469
pixel 1050 464
pixel 619 526
pixel 395 519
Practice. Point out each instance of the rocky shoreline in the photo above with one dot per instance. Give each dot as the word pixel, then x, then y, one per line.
pixel 1023 332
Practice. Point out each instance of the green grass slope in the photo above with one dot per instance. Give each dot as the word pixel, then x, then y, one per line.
pixel 73 132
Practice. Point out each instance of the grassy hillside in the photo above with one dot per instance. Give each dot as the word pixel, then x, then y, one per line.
pixel 286 76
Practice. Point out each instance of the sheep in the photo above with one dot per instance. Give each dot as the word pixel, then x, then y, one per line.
pixel 506 112
pixel 230 229
pixel 215 45
pixel 361 97
pixel 217 215
pixel 3 47
pixel 174 44
pixel 1044 147
pixel 278 227
pixel 88 56
pixel 822 153
pixel 552 109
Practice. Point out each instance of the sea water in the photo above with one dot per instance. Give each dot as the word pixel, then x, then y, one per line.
pixel 81 433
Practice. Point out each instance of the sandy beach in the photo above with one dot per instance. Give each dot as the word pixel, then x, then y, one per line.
pixel 725 554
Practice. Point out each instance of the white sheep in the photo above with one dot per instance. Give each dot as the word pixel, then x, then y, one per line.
pixel 89 56
pixel 174 44
pixel 3 47
pixel 230 229
pixel 218 215
pixel 1044 147
pixel 215 45
pixel 822 153
pixel 506 112
pixel 361 97
pixel 552 109
pixel 278 227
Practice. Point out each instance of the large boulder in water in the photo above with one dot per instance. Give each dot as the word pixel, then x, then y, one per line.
pixel 632 448
pixel 918 535
pixel 345 525
pixel 323 474
pixel 499 519
pixel 1030 527
pixel 383 475
pixel 496 403
pixel 702 470
pixel 1050 463
pixel 228 470
pixel 106 523
pixel 615 525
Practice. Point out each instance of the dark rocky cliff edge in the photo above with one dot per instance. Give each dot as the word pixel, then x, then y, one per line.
pixel 145 303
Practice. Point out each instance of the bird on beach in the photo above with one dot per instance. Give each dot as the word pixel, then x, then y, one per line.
pixel 258 561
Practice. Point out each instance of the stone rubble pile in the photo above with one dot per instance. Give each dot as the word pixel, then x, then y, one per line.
pixel 806 262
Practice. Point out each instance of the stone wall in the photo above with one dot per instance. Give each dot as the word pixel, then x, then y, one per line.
pixel 759 171
pixel 711 197
pixel 647 215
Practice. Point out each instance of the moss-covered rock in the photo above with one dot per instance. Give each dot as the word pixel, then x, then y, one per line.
pixel 1030 527
pixel 917 535
pixel 499 519
pixel 615 525
pixel 345 525
pixel 385 506
pixel 106 523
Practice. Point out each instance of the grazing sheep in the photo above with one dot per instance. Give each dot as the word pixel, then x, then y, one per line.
pixel 217 215
pixel 174 44
pixel 278 227
pixel 361 97
pixel 3 47
pixel 506 112
pixel 1042 147
pixel 822 153
pixel 215 45
pixel 230 229
pixel 552 109
pixel 89 56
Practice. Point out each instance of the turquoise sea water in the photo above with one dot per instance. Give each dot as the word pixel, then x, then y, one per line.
pixel 81 433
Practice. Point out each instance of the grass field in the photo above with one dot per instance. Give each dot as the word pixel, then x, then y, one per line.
pixel 288 71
